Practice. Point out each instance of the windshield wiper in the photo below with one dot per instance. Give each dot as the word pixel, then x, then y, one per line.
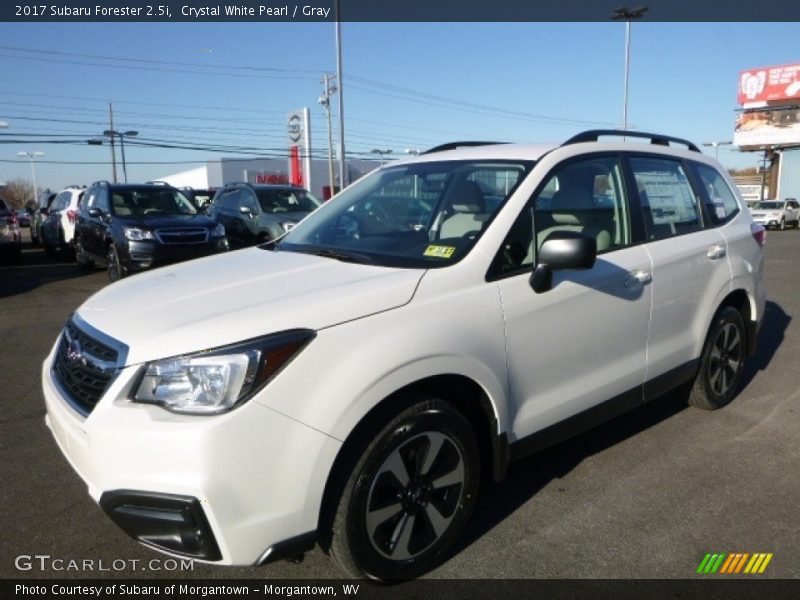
pixel 342 255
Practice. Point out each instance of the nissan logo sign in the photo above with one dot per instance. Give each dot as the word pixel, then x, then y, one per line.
pixel 295 128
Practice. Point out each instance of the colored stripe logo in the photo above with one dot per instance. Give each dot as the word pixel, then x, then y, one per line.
pixel 734 563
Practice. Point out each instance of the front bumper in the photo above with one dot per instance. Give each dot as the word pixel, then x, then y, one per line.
pixel 142 255
pixel 248 480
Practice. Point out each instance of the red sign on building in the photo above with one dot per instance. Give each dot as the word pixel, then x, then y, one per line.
pixel 768 84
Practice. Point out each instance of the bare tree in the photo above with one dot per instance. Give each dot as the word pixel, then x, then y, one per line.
pixel 18 193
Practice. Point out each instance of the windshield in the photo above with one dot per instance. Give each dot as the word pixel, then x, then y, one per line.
pixel 150 201
pixel 278 201
pixel 767 206
pixel 419 215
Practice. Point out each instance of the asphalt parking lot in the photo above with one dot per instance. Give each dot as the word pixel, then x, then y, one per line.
pixel 646 496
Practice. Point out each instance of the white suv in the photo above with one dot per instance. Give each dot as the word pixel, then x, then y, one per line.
pixel 349 384
pixel 58 227
pixel 776 213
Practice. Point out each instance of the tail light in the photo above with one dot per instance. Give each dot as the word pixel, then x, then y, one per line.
pixel 72 215
pixel 11 219
pixel 759 234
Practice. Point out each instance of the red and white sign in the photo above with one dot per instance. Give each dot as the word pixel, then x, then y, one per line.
pixel 759 86
pixel 272 178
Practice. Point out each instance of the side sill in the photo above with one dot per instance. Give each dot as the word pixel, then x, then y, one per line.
pixel 658 386
pixel 577 424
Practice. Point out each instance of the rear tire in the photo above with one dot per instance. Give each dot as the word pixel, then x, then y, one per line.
pixel 409 494
pixel 81 258
pixel 722 362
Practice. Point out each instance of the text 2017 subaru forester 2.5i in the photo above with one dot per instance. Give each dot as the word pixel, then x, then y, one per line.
pixel 349 384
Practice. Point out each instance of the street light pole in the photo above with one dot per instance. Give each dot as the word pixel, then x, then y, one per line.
pixel 121 135
pixel 623 13
pixel 343 178
pixel 715 146
pixel 32 156
pixel 325 101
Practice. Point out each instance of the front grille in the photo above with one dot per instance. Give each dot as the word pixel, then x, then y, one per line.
pixel 84 366
pixel 182 236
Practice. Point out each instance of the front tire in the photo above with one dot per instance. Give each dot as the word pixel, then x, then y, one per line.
pixel 722 362
pixel 115 272
pixel 409 495
pixel 782 225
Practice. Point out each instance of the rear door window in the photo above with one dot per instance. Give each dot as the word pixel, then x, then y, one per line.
pixel 669 203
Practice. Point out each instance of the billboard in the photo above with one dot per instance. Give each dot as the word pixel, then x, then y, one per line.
pixel 769 84
pixel 768 127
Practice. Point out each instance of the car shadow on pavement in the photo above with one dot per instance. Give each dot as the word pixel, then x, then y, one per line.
pixel 36 268
pixel 530 475
pixel 770 337
pixel 526 477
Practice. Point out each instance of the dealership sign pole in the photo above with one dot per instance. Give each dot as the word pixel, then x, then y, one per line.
pixel 300 147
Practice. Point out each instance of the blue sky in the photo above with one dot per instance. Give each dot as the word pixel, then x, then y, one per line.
pixel 407 85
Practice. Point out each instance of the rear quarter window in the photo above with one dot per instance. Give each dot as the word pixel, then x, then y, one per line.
pixel 720 201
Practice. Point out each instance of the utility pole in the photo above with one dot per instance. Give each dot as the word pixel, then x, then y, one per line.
pixel 325 100
pixel 113 153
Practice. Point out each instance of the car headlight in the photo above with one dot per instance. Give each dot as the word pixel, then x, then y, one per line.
pixel 218 380
pixel 135 234
pixel 287 226
pixel 218 231
pixel 775 214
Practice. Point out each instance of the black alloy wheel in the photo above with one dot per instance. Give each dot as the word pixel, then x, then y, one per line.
pixel 722 362
pixel 113 265
pixel 409 496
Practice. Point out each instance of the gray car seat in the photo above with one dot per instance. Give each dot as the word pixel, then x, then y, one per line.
pixel 465 209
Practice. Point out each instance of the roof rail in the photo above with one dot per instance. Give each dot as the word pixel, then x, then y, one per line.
pixel 454 145
pixel 655 138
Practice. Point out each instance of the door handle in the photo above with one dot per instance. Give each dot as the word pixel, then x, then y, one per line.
pixel 638 278
pixel 716 252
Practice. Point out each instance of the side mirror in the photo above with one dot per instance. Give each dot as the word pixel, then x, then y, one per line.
pixel 245 210
pixel 562 251
pixel 95 212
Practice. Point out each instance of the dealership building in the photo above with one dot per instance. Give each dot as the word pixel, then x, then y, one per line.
pixel 298 168
pixel 216 173
pixel 769 123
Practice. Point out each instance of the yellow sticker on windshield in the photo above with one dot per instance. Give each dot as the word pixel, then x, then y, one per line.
pixel 440 251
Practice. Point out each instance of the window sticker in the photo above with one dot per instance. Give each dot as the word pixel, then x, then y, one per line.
pixel 439 251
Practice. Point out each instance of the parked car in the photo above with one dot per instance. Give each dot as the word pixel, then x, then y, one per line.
pixel 10 235
pixel 201 198
pixel 134 227
pixel 254 214
pixel 24 218
pixel 58 227
pixel 777 213
pixel 350 384
pixel 39 215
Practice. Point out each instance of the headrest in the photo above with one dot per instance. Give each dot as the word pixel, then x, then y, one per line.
pixel 572 206
pixel 465 197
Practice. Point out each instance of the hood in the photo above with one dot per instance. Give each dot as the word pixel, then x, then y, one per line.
pixel 235 296
pixel 167 221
